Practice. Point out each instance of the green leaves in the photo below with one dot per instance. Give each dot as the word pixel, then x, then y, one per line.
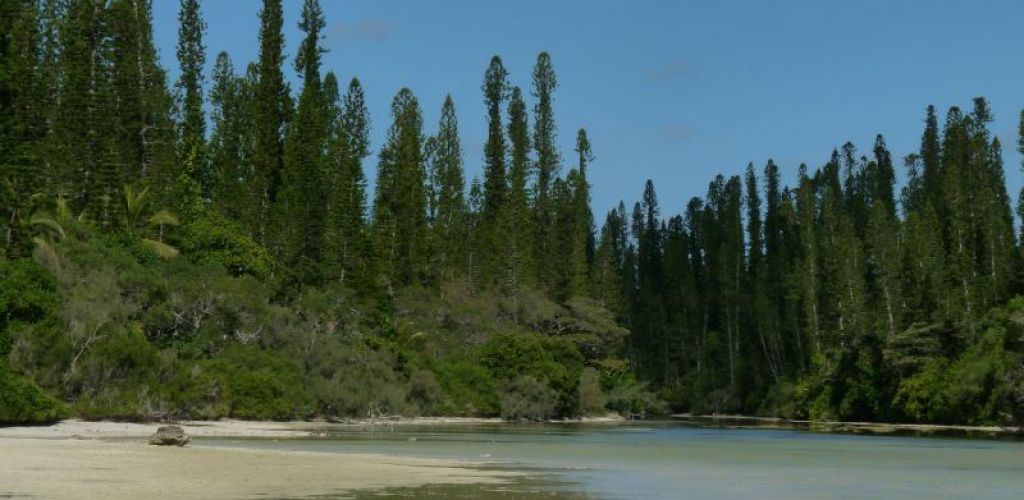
pixel 23 402
pixel 163 250
pixel 136 207
pixel 163 218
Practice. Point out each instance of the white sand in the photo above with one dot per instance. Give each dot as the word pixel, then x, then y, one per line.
pixel 72 460
pixel 244 428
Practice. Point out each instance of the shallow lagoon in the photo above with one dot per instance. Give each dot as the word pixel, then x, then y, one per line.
pixel 676 461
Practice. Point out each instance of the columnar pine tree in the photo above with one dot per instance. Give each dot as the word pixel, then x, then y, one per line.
pixel 191 59
pixel 991 209
pixel 883 242
pixel 760 314
pixel 517 224
pixel 474 209
pixel 563 229
pixel 22 121
pixel 956 206
pixel 52 14
pixel 400 218
pixel 271 103
pixel 931 158
pixel 810 268
pixel 145 105
pixel 547 164
pixel 87 124
pixel 346 242
pixel 299 208
pixel 448 185
pixel 606 275
pixel 581 239
pixel 495 89
pixel 231 146
pixel 647 310
pixel 1020 196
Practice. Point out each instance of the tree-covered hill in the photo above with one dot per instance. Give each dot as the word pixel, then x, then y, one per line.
pixel 207 248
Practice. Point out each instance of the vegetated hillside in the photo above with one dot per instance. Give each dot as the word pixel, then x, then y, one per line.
pixel 157 258
pixel 120 333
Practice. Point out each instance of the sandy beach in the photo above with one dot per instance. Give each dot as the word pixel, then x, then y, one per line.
pixel 111 460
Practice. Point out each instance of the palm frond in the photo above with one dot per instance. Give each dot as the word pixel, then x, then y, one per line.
pixel 48 223
pixel 164 218
pixel 163 250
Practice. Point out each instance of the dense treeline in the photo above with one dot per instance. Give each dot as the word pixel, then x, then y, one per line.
pixel 209 248
pixel 835 298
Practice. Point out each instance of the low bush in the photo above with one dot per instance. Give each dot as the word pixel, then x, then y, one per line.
pixel 526 398
pixel 23 402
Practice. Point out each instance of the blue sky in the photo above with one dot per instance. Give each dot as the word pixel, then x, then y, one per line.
pixel 675 91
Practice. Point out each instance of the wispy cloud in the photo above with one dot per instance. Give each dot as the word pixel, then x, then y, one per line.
pixel 674 134
pixel 367 30
pixel 671 71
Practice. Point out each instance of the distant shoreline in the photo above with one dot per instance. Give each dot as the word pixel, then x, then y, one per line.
pixel 229 428
pixel 878 428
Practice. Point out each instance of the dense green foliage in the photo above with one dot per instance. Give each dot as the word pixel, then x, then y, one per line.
pixel 22 402
pixel 155 262
pixel 27 297
pixel 824 300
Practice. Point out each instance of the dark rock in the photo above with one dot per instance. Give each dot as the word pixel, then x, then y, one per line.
pixel 170 435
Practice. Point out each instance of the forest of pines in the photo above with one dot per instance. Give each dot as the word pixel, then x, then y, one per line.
pixel 207 248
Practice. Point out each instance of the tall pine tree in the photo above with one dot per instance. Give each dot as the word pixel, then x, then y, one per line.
pixel 400 207
pixel 449 183
pixel 191 59
pixel 545 136
pixel 299 209
pixel 271 103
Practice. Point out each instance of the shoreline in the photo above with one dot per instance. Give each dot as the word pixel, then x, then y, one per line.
pixel 843 427
pixel 102 459
pixel 85 459
pixel 229 428
pixel 112 460
pixel 76 429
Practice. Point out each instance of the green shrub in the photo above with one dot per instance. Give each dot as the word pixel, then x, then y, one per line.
pixel 920 395
pixel 554 361
pixel 116 378
pixel 27 295
pixel 469 389
pixel 629 397
pixel 260 385
pixel 425 392
pixel 210 238
pixel 527 398
pixel 591 398
pixel 23 402
pixel 783 401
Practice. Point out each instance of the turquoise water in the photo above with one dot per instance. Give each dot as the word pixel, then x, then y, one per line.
pixel 675 461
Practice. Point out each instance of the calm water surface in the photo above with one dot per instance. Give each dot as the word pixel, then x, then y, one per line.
pixel 675 461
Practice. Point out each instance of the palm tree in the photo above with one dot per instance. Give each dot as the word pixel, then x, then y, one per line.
pixel 52 226
pixel 136 206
